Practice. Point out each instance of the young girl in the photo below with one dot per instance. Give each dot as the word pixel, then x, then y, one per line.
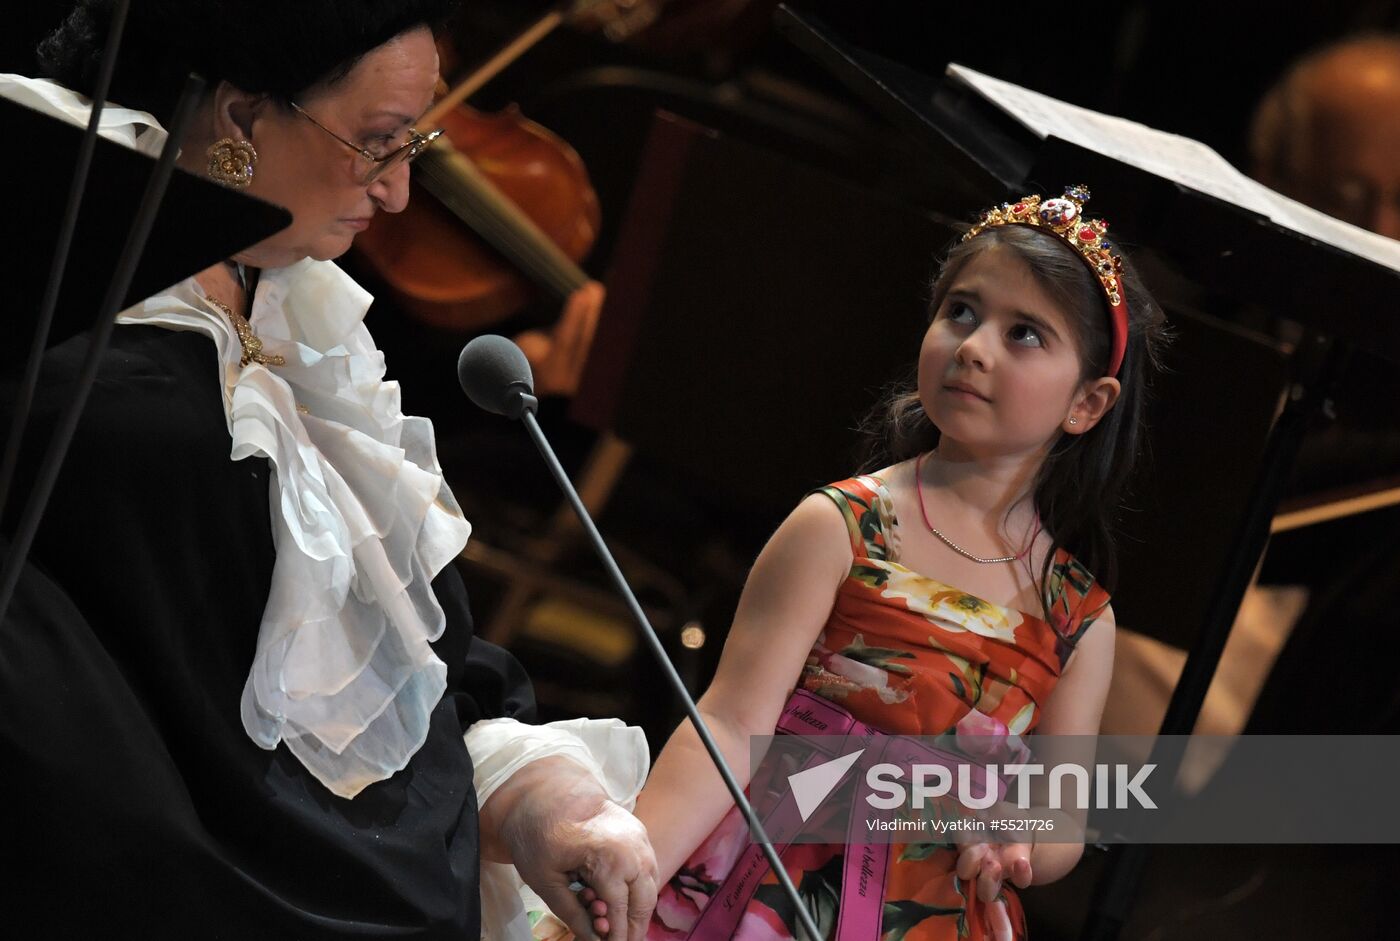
pixel 1008 461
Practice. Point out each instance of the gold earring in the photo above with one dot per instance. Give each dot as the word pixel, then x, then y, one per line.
pixel 231 162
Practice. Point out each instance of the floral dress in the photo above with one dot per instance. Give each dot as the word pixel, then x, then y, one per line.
pixel 908 655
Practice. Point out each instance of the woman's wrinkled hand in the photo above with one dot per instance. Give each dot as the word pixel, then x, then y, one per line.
pixel 557 357
pixel 991 864
pixel 557 825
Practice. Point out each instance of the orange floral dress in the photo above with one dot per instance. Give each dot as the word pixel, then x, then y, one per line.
pixel 909 655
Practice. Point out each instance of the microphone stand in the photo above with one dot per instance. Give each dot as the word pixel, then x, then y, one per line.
pixel 526 406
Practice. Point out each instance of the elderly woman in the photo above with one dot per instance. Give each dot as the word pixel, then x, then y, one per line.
pixel 241 694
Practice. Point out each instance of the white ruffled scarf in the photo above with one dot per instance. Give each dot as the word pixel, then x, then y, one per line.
pixel 362 520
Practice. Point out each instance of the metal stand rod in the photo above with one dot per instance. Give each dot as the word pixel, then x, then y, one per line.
pixel 1319 366
pixel 672 677
pixel 19 418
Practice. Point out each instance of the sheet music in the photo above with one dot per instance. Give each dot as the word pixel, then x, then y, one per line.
pixel 1175 158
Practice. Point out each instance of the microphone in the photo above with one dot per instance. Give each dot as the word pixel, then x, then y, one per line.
pixel 496 377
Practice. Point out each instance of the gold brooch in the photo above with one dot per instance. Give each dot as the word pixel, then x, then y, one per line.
pixel 251 343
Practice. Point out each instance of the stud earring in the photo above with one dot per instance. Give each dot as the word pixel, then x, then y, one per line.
pixel 1074 421
pixel 231 162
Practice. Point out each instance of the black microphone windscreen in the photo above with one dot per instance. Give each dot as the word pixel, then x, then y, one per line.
pixel 494 374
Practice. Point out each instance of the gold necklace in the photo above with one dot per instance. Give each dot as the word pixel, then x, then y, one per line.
pixel 919 492
pixel 251 343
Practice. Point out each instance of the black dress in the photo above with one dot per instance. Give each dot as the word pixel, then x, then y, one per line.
pixel 134 801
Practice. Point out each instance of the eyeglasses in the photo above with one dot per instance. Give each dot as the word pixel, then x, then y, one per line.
pixel 374 167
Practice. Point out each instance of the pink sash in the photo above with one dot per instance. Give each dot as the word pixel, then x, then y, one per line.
pixel 866 863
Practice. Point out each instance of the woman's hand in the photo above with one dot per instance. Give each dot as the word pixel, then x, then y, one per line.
pixel 557 357
pixel 990 864
pixel 557 825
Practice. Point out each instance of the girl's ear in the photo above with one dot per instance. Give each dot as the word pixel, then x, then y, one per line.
pixel 1091 403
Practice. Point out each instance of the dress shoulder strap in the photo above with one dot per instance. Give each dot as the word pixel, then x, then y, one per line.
pixel 869 514
pixel 1076 600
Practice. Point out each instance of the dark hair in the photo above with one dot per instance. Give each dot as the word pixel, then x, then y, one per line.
pixel 274 47
pixel 1078 488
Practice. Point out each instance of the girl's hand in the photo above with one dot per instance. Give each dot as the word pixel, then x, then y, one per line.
pixel 990 864
pixel 595 907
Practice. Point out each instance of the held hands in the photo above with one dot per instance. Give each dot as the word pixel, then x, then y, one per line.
pixel 991 864
pixel 558 827
pixel 557 357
